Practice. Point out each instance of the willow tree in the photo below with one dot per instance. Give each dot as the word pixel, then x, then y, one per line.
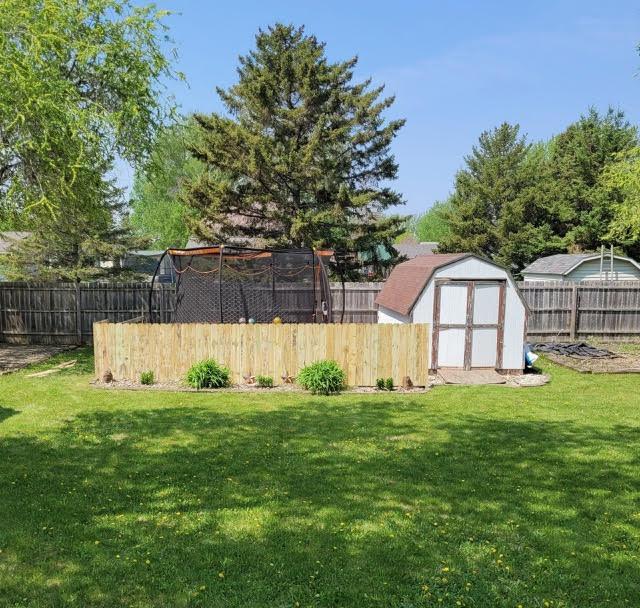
pixel 81 85
pixel 304 155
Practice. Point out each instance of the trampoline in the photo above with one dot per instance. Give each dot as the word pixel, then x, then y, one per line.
pixel 230 284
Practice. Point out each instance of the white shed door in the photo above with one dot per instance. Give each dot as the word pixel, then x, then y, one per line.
pixel 453 319
pixel 484 341
pixel 468 323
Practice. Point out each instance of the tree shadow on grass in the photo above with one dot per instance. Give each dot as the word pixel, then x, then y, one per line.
pixel 7 412
pixel 367 504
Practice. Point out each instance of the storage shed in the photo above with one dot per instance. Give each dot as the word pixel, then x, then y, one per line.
pixel 477 314
pixel 579 267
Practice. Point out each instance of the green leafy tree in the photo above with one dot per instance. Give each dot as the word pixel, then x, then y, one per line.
pixel 433 224
pixel 78 80
pixel 157 210
pixel 304 153
pixel 621 178
pixel 86 242
pixel 80 85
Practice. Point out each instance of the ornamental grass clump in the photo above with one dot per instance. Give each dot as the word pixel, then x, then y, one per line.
pixel 323 377
pixel 208 374
pixel 264 381
pixel 147 378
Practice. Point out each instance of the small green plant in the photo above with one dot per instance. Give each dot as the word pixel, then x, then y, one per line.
pixel 264 381
pixel 388 384
pixel 208 374
pixel 147 378
pixel 380 384
pixel 324 377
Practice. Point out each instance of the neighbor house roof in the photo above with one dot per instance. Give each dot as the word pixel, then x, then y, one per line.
pixel 10 238
pixel 412 249
pixel 408 279
pixel 563 263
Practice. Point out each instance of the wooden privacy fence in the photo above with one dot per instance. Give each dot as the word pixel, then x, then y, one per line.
pixel 564 311
pixel 64 313
pixel 366 351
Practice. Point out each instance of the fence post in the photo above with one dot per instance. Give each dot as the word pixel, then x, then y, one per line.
pixel 78 315
pixel 573 319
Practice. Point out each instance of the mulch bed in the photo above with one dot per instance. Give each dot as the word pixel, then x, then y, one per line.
pixel 616 362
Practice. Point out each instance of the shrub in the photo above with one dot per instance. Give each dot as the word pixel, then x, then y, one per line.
pixel 324 377
pixel 264 381
pixel 208 374
pixel 388 384
pixel 380 384
pixel 147 377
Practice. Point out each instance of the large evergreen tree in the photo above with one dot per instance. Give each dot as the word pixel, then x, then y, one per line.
pixel 495 179
pixel 304 153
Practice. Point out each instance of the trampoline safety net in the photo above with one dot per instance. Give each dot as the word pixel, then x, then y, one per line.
pixel 228 284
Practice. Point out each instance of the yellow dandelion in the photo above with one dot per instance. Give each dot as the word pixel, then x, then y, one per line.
pixel 221 574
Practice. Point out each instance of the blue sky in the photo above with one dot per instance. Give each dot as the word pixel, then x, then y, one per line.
pixel 456 68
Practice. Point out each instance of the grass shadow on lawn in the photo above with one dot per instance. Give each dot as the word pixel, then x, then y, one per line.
pixel 348 506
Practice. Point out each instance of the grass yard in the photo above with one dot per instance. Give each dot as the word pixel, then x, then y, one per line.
pixel 464 496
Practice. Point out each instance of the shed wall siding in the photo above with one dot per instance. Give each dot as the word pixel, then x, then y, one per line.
pixel 390 316
pixel 623 270
pixel 540 276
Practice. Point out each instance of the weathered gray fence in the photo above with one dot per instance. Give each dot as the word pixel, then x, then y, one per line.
pixel 565 311
pixel 64 313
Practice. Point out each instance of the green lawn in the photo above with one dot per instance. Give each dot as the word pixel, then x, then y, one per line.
pixel 464 496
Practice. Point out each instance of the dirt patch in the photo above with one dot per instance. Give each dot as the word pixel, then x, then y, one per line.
pixel 14 357
pixel 625 360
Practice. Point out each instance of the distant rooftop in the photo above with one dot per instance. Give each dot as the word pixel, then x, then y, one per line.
pixel 10 238
pixel 412 249
pixel 561 263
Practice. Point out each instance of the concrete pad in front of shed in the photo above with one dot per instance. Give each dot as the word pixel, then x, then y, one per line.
pixel 473 376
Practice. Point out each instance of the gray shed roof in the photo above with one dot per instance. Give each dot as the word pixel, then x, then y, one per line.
pixel 560 263
pixel 9 238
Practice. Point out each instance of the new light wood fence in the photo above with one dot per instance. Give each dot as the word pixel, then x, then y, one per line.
pixel 365 351
pixel 64 313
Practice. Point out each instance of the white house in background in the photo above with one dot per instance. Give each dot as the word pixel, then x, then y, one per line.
pixel 475 310
pixel 578 267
